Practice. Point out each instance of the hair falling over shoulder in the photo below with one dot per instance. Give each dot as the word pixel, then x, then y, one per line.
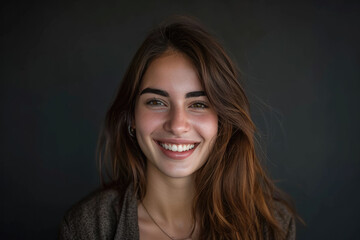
pixel 234 199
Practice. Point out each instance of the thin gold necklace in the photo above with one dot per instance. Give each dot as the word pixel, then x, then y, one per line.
pixel 172 238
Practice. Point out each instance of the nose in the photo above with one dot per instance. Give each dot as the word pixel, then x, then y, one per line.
pixel 177 122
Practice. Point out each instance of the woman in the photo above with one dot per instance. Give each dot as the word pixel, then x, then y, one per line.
pixel 178 144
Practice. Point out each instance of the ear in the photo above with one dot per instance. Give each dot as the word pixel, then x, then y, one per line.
pixel 133 122
pixel 130 120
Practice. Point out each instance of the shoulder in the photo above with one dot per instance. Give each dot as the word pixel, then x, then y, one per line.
pixel 285 218
pixel 93 217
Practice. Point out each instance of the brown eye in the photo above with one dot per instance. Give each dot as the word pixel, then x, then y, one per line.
pixel 199 105
pixel 155 102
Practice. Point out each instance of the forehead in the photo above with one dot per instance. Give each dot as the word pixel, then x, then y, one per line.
pixel 173 72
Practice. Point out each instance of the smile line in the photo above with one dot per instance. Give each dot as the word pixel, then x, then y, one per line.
pixel 176 147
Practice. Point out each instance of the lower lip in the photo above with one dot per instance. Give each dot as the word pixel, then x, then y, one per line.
pixel 176 155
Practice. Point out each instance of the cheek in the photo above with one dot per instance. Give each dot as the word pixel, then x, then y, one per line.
pixel 207 126
pixel 146 121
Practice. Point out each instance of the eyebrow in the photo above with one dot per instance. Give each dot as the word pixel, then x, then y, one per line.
pixel 195 94
pixel 155 91
pixel 166 94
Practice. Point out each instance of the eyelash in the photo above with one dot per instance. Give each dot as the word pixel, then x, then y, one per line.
pixel 156 102
pixel 202 105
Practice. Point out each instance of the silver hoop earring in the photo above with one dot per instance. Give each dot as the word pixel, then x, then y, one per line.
pixel 131 131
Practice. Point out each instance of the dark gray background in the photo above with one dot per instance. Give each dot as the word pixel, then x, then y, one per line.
pixel 61 64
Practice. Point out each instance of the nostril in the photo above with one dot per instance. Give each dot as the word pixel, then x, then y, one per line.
pixel 177 123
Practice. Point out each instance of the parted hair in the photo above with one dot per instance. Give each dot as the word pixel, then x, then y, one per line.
pixel 234 197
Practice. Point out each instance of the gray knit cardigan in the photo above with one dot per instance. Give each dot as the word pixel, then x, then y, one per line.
pixel 105 215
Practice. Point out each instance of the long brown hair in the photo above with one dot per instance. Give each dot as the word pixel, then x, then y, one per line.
pixel 234 197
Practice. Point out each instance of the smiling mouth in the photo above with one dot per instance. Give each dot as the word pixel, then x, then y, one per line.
pixel 177 147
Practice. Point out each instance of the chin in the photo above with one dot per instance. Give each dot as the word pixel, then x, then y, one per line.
pixel 172 171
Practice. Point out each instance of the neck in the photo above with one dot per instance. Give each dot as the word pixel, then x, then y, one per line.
pixel 169 199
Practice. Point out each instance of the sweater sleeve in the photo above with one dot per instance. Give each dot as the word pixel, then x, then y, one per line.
pixel 65 231
pixel 286 221
pixel 95 217
pixel 291 229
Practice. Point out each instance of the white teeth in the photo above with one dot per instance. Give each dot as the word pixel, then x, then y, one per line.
pixel 180 148
pixel 177 148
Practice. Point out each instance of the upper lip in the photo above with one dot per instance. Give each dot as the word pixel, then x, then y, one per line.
pixel 176 141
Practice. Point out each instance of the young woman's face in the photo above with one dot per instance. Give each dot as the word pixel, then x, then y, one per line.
pixel 175 124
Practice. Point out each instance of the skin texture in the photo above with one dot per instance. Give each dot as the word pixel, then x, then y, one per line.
pixel 176 118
